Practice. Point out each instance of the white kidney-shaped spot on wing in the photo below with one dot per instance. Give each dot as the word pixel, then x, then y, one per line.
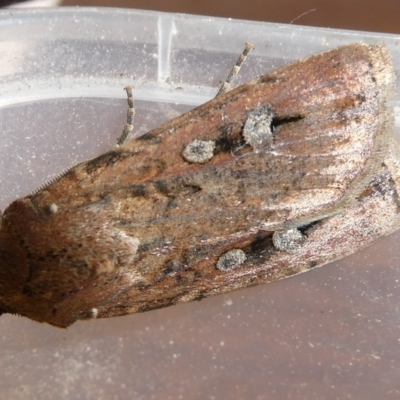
pixel 199 151
pixel 257 131
pixel 231 260
pixel 288 239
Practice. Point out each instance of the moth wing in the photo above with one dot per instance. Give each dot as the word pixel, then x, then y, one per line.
pixel 288 148
pixel 285 150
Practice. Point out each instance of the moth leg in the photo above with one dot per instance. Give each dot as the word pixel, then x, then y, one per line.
pixel 226 86
pixel 128 128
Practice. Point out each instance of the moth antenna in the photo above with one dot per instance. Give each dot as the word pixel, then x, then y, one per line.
pixel 128 128
pixel 51 180
pixel 226 86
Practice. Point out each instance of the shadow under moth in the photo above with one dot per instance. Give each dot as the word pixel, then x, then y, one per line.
pixel 281 175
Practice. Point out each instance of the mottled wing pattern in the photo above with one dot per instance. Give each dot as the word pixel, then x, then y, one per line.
pixel 157 214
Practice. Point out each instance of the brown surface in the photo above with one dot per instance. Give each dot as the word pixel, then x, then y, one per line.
pixel 367 15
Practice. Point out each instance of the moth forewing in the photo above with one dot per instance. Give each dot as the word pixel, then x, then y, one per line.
pixel 236 192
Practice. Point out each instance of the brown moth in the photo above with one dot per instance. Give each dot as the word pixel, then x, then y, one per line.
pixel 283 174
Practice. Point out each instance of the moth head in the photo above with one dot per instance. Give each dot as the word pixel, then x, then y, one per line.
pixel 14 263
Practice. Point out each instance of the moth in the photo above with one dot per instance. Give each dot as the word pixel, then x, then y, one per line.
pixel 281 175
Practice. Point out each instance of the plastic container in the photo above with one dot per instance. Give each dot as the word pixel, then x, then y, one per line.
pixel 332 333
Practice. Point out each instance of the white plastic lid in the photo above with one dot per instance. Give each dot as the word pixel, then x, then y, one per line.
pixel 332 333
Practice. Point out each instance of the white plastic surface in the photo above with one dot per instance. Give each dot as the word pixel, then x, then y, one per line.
pixel 332 333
